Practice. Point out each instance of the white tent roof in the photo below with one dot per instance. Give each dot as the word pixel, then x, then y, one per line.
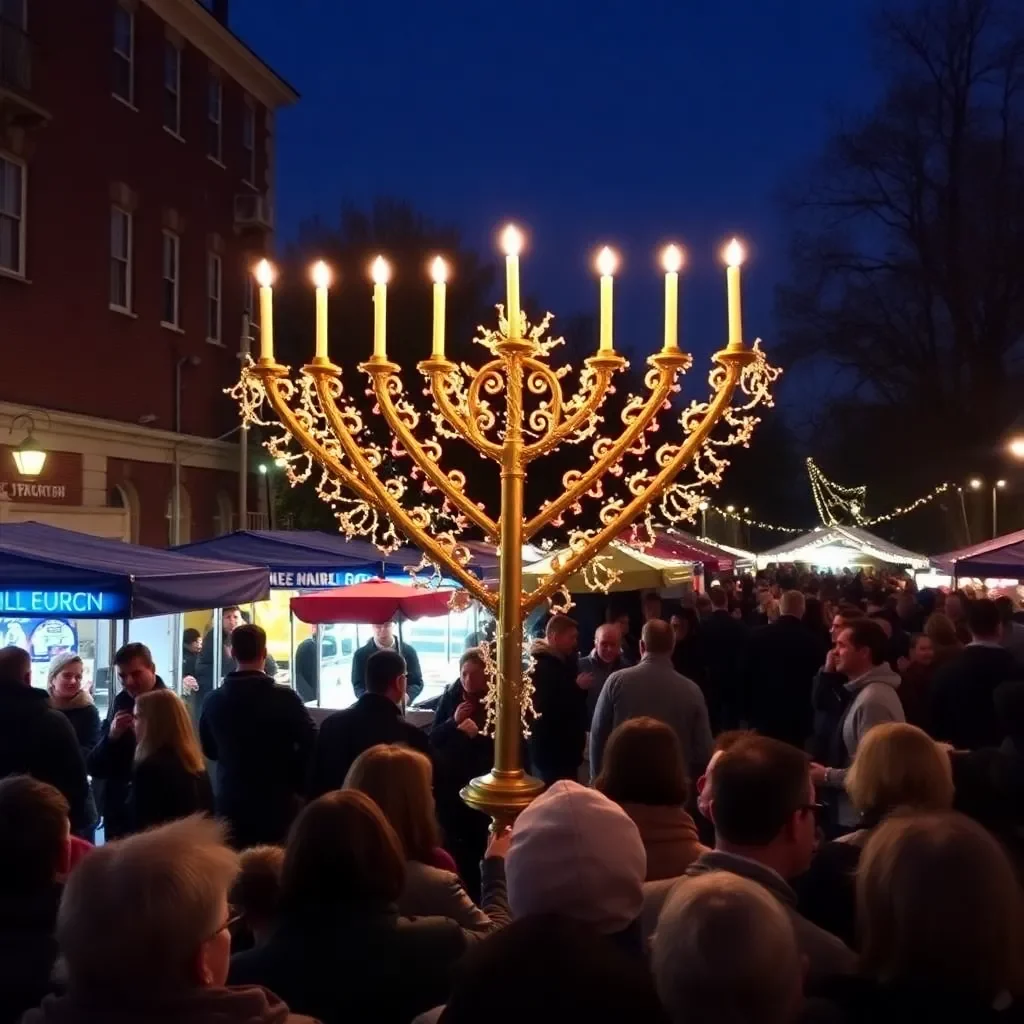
pixel 834 545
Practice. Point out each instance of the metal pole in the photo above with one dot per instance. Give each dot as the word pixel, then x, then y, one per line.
pixel 218 646
pixel 245 348
pixel 176 493
pixel 995 503
pixel 963 512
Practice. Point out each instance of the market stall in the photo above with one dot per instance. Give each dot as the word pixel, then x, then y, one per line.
pixel 839 547
pixel 635 569
pixel 996 563
pixel 57 587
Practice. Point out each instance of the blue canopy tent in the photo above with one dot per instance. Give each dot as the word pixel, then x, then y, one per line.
pixel 999 558
pixel 44 569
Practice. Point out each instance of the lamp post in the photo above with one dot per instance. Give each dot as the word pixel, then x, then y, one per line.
pixel 976 484
pixel 30 455
pixel 703 508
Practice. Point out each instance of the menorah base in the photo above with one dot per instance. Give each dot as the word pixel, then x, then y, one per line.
pixel 502 795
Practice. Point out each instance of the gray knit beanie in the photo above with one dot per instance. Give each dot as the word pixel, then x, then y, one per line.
pixel 59 662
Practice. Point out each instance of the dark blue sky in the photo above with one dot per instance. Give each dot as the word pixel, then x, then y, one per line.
pixel 622 121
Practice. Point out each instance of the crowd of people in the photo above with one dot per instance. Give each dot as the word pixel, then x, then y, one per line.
pixel 797 798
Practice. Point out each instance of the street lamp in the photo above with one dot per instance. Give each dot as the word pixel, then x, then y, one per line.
pixel 976 484
pixel 1016 447
pixel 29 456
pixel 703 507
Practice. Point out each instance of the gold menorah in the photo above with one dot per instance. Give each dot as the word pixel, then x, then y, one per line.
pixel 332 434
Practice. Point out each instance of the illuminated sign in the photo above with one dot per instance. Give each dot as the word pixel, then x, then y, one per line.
pixel 96 604
pixel 312 579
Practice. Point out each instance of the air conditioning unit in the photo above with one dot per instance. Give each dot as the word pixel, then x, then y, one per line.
pixel 253 210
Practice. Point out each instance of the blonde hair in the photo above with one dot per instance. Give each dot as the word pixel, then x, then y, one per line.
pixel 168 726
pixel 399 780
pixel 938 902
pixel 899 765
pixel 136 910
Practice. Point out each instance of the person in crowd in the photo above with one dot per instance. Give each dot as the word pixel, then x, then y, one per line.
pixel 939 628
pixel 630 644
pixel 962 711
pixel 464 698
pixel 814 619
pixel 829 696
pixel 231 619
pixel 724 639
pixel 723 741
pixel 577 854
pixel 897 766
pixel 37 740
pixel 550 970
pixel 779 664
pixel 399 781
pixel 762 804
pixel 1013 632
pixel 144 935
pixel 644 772
pixel 34 834
pixel 558 734
pixel 113 758
pixel 956 607
pixel 340 951
pixel 384 639
pixel 169 778
pixel 725 950
pixel 375 718
pixel 606 657
pixel 773 611
pixel 939 914
pixel 651 606
pixel 688 650
pixel 261 737
pixel 897 642
pixel 191 645
pixel 256 894
pixel 307 670
pixel 653 689
pixel 916 681
pixel 910 614
pixel 872 684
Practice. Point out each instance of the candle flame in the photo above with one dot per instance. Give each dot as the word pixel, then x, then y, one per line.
pixel 265 273
pixel 439 270
pixel 672 259
pixel 607 261
pixel 321 274
pixel 512 240
pixel 734 254
pixel 380 271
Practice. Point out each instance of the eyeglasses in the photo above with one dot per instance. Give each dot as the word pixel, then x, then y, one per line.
pixel 233 918
pixel 811 808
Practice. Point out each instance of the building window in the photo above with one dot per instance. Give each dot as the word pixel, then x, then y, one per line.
pixel 249 304
pixel 214 113
pixel 213 297
pixel 12 215
pixel 120 259
pixel 171 279
pixel 124 54
pixel 172 88
pixel 249 143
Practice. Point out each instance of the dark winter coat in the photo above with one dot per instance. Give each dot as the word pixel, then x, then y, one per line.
pixel 779 665
pixel 261 737
pixel 356 966
pixel 724 641
pixel 962 710
pixel 559 731
pixel 81 712
pixel 204 666
pixel 37 740
pixel 825 892
pixel 344 735
pixel 28 949
pixel 112 761
pixel 413 672
pixel 163 790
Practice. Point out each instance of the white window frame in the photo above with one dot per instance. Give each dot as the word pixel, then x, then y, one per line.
pixel 170 47
pixel 249 128
pixel 128 259
pixel 19 217
pixel 214 294
pixel 120 10
pixel 215 87
pixel 175 280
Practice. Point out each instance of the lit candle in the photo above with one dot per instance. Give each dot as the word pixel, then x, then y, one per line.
pixel 265 278
pixel 381 272
pixel 322 280
pixel 439 272
pixel 734 257
pixel 672 260
pixel 606 267
pixel 512 243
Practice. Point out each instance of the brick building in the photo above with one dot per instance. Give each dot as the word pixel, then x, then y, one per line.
pixel 136 192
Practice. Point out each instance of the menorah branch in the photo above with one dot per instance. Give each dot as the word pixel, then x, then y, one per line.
pixel 437 372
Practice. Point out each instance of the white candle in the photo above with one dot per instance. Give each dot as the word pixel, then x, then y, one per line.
pixel 439 272
pixel 734 257
pixel 322 280
pixel 265 278
pixel 606 268
pixel 381 272
pixel 512 243
pixel 672 260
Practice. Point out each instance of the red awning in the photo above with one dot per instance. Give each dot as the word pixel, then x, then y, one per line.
pixel 370 602
pixel 684 549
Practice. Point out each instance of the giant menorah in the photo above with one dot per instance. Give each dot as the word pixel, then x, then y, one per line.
pixel 319 427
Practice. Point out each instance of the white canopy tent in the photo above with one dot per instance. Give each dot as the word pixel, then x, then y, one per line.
pixel 836 547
